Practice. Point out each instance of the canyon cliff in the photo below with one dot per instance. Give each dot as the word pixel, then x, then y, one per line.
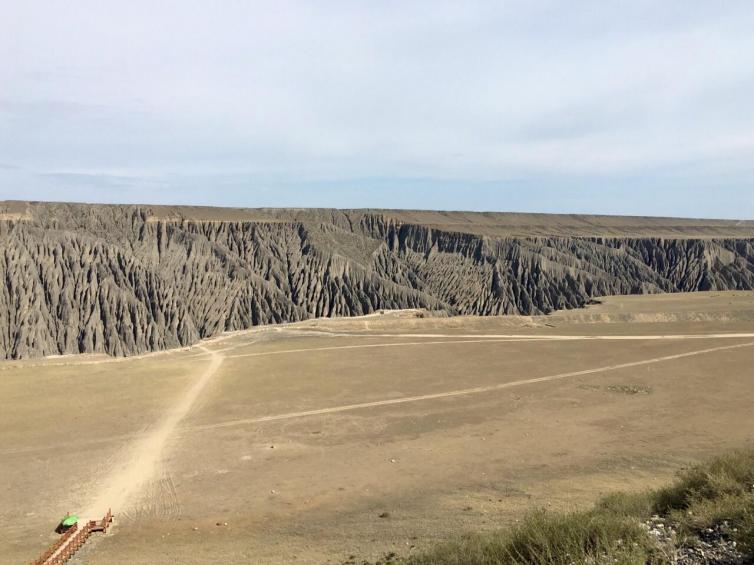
pixel 125 280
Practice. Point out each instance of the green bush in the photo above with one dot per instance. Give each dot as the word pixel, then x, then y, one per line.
pixel 712 494
pixel 731 474
pixel 639 505
pixel 578 537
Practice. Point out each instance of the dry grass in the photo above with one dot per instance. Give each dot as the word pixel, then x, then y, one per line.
pixel 718 492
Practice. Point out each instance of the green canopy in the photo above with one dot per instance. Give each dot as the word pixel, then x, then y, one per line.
pixel 69 520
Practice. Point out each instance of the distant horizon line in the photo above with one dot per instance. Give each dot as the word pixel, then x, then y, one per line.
pixel 372 208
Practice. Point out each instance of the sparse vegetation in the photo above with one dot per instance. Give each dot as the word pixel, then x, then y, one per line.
pixel 717 495
pixel 628 389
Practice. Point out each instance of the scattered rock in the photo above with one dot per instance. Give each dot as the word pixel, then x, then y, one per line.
pixel 713 546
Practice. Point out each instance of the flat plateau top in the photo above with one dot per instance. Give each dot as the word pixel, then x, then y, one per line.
pixel 493 224
pixel 503 224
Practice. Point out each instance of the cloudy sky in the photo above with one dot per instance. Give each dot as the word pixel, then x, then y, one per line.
pixel 605 106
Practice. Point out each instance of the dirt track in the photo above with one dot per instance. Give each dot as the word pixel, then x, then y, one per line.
pixel 467 391
pixel 141 462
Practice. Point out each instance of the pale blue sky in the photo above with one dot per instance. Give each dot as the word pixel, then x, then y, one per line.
pixel 597 107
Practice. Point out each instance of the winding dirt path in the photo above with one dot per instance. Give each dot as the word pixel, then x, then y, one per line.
pixel 142 463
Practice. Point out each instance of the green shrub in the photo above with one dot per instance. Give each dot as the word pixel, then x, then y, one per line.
pixel 731 474
pixel 578 537
pixel 640 505
pixel 745 535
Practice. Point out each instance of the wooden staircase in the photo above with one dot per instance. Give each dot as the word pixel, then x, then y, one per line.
pixel 72 540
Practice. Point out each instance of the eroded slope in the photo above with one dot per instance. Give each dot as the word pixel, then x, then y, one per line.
pixel 127 279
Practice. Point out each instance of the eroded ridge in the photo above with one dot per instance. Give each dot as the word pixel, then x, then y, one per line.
pixel 126 280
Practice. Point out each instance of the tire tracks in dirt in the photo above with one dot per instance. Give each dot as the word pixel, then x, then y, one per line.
pixel 479 338
pixel 371 345
pixel 464 392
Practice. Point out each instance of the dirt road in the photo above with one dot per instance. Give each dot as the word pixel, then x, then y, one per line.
pixel 467 391
pixel 476 338
pixel 141 463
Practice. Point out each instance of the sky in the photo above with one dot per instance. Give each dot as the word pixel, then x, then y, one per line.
pixel 578 107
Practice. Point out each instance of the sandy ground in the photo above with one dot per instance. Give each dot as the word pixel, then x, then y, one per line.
pixel 301 437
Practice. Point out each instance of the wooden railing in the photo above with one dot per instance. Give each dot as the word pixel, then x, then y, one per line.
pixel 72 546
pixel 72 540
pixel 103 524
pixel 55 546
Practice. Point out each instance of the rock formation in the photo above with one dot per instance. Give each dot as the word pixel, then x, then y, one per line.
pixel 125 280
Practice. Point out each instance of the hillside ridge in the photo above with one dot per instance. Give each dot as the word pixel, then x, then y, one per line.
pixel 129 279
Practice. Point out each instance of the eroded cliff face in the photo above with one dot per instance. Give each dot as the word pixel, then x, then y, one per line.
pixel 123 280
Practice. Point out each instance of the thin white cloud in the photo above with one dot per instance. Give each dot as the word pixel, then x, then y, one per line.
pixel 305 92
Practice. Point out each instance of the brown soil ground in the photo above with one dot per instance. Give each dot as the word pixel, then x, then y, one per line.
pixel 300 437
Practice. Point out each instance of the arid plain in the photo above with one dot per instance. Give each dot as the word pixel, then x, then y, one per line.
pixel 315 441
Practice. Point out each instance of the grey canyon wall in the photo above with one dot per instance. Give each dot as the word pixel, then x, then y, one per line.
pixel 125 280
